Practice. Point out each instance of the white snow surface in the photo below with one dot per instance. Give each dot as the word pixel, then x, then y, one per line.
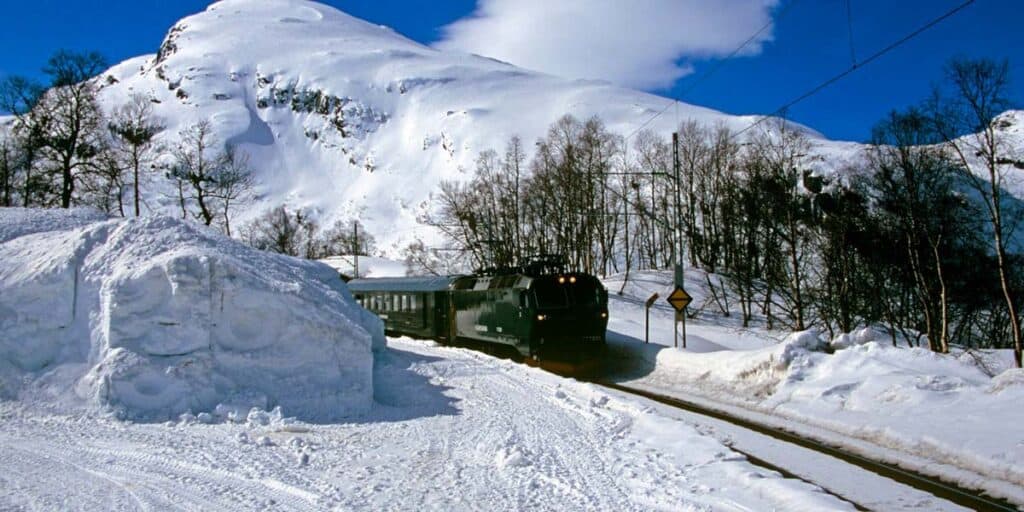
pixel 154 317
pixel 450 429
pixel 369 266
pixel 945 415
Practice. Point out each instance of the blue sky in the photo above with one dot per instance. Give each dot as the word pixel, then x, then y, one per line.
pixel 810 43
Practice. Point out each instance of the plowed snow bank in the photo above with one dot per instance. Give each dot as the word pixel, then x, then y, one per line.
pixel 150 318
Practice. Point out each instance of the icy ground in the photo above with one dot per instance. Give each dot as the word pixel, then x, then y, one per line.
pixel 451 430
pixel 956 416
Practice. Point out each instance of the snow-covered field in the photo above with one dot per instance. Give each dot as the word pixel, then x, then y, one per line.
pixel 450 430
pixel 955 416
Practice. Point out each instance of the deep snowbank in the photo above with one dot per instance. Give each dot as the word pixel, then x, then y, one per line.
pixel 154 317
pixel 956 416
pixel 940 408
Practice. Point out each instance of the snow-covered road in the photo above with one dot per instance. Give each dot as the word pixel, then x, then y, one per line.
pixel 452 429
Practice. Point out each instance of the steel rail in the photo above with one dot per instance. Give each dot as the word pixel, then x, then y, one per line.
pixel 969 498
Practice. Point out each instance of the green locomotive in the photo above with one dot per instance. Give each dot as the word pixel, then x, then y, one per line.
pixel 539 310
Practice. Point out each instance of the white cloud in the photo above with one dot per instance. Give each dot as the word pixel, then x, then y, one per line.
pixel 645 44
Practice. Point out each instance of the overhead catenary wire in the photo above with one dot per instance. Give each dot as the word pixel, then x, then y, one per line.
pixel 817 88
pixel 855 66
pixel 714 69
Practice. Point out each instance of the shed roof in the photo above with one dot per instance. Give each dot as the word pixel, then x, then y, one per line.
pixel 402 284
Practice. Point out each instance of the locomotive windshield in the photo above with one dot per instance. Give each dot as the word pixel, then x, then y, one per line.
pixel 550 295
pixel 586 295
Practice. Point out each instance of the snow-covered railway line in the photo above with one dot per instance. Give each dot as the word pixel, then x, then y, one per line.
pixel 853 492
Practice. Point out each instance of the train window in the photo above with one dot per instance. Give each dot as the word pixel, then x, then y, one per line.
pixel 412 303
pixel 549 295
pixel 405 303
pixel 586 295
pixel 522 299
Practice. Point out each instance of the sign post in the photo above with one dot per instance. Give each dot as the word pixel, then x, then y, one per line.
pixel 679 299
pixel 647 317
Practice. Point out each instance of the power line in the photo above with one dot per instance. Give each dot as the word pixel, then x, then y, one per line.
pixel 715 68
pixel 855 66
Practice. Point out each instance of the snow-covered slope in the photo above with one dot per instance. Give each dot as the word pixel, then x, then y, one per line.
pixel 949 415
pixel 347 117
pixel 154 317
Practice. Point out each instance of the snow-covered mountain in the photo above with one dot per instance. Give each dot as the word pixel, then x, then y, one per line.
pixel 348 118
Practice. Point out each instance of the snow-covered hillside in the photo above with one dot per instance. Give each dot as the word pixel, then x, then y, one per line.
pixel 346 117
pixel 949 415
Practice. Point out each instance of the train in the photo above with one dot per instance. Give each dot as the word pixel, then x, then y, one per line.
pixel 538 311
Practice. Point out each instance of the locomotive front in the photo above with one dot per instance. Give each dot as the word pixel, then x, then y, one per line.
pixel 569 316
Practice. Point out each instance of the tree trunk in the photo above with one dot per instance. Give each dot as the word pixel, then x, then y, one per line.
pixel 1004 282
pixel 943 302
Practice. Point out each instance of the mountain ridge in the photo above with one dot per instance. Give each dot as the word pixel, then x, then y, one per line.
pixel 322 100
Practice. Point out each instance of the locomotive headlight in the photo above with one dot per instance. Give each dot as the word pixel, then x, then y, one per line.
pixel 572 279
pixel 604 314
pixel 561 279
pixel 541 317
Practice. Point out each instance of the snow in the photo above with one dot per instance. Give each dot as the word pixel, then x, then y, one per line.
pixel 253 415
pixel 153 364
pixel 940 414
pixel 450 429
pixel 369 266
pixel 151 318
pixel 273 76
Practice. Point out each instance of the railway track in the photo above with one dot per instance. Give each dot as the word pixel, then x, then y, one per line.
pixel 968 498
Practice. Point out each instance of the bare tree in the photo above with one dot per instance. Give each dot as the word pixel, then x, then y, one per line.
pixel 966 119
pixel 19 96
pixel 347 237
pixel 73 138
pixel 280 231
pixel 133 128
pixel 8 168
pixel 197 165
pixel 233 185
pixel 913 185
pixel 214 178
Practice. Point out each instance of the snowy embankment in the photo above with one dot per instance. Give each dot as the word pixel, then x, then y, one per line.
pixel 941 414
pixel 155 317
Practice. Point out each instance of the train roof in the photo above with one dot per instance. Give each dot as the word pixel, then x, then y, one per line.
pixel 402 284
